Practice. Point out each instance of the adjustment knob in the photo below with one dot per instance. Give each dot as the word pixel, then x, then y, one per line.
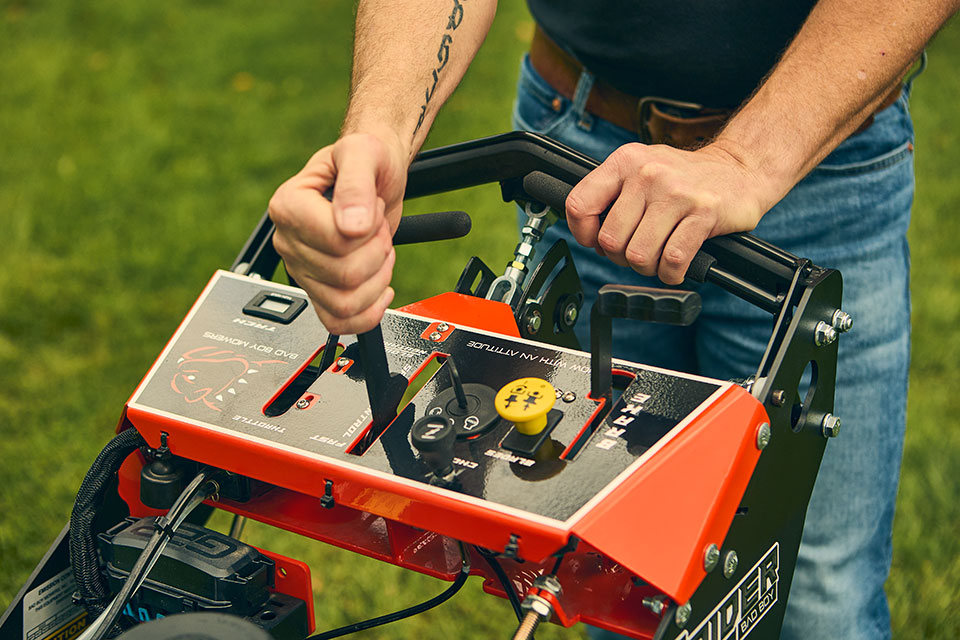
pixel 434 437
pixel 526 403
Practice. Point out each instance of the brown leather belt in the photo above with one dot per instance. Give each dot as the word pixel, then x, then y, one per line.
pixel 656 120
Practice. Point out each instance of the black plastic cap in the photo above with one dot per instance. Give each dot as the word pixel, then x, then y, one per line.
pixel 161 482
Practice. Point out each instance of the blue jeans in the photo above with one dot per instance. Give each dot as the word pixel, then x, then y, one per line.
pixel 850 213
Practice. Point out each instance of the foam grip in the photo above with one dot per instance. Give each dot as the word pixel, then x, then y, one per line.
pixel 429 227
pixel 545 188
pixel 699 266
pixel 667 306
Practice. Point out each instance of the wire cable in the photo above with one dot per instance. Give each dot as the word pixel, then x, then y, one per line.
pixel 192 496
pixel 512 596
pixel 92 587
pixel 404 613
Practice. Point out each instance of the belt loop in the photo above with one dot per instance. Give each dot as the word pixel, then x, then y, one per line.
pixel 580 96
pixel 914 72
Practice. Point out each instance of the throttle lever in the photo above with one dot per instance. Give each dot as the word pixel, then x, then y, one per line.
pixel 384 389
pixel 666 306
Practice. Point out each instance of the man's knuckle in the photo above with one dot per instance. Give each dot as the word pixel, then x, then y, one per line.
pixel 278 210
pixel 673 258
pixel 704 204
pixel 574 205
pixel 653 171
pixel 637 257
pixel 627 154
pixel 281 244
pixel 607 241
pixel 350 274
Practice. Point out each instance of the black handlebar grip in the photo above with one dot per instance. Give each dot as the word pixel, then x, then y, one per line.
pixel 429 227
pixel 667 306
pixel 545 188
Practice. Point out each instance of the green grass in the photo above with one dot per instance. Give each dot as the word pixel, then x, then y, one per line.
pixel 139 143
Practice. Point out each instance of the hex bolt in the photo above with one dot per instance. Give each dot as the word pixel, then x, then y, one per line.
pixel 683 615
pixel 824 334
pixel 549 583
pixel 842 321
pixel 442 327
pixel 711 557
pixel 656 604
pixel 730 562
pixel 830 426
pixel 558 393
pixel 536 607
pixel 778 397
pixel 570 314
pixel 436 336
pixel 763 436
pixel 342 362
pixel 303 403
pixel 569 396
pixel 533 322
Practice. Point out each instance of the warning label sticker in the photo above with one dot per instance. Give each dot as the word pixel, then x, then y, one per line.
pixel 49 612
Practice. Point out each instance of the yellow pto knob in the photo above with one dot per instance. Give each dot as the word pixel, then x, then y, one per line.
pixel 526 403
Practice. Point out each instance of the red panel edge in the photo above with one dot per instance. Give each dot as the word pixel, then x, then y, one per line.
pixel 660 519
pixel 353 486
pixel 468 311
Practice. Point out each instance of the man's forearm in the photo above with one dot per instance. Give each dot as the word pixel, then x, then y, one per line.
pixel 846 58
pixel 408 58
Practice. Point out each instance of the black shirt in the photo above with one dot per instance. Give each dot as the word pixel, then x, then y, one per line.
pixel 711 52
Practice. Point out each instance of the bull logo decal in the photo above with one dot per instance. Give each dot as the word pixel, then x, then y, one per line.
pixel 205 374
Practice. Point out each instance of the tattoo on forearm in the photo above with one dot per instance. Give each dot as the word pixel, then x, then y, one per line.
pixel 443 55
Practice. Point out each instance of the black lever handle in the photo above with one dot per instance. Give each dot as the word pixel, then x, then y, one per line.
pixel 384 389
pixel 666 306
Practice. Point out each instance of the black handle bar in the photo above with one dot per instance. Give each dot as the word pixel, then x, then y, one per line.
pixel 531 167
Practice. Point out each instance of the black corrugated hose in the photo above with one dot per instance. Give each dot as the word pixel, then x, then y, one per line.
pixel 91 585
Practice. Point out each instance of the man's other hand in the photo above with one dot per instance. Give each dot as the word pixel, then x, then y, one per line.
pixel 341 252
pixel 662 204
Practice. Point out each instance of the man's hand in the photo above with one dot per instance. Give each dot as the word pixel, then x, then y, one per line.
pixel 341 252
pixel 663 203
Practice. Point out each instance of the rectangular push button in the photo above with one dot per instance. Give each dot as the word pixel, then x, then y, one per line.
pixel 278 307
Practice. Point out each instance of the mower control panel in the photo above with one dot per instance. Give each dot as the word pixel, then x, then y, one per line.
pixel 503 420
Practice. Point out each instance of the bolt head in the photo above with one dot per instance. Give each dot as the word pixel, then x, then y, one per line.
pixel 569 396
pixel 342 362
pixel 682 616
pixel 549 583
pixel 570 313
pixel 533 322
pixel 302 403
pixel 730 562
pixel 824 334
pixel 763 436
pixel 443 326
pixel 778 397
pixel 436 336
pixel 711 557
pixel 842 321
pixel 654 603
pixel 830 426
